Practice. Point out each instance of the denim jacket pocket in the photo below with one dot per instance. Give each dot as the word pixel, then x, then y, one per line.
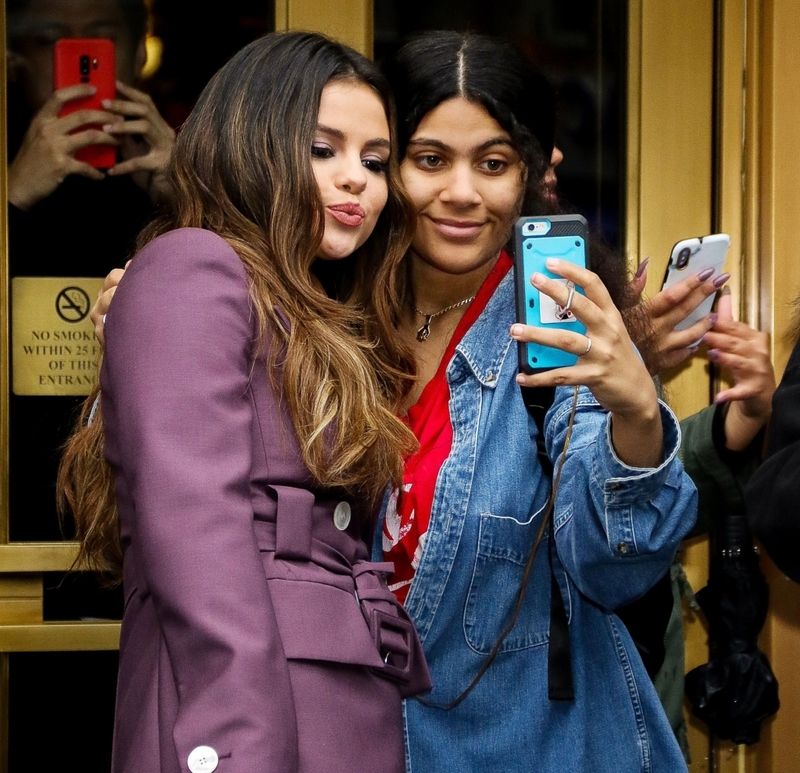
pixel 504 545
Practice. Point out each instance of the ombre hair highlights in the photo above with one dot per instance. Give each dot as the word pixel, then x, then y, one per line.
pixel 242 169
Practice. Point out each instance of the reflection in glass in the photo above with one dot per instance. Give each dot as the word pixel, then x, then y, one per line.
pixel 69 221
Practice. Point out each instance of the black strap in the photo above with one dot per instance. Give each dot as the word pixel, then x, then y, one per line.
pixel 538 401
pixel 559 653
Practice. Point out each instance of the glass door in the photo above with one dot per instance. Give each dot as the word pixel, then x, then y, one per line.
pixel 59 629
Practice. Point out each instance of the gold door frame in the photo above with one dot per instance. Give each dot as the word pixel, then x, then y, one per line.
pixel 22 628
pixel 714 145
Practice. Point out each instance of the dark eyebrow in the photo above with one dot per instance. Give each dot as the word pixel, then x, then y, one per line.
pixel 431 143
pixel 377 142
pixel 332 132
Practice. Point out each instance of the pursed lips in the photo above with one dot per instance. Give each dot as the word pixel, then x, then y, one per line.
pixel 348 213
pixel 457 229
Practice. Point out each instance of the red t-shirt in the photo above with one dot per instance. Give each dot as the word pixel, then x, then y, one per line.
pixel 409 511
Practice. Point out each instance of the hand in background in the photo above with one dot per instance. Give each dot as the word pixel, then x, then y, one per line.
pixel 46 156
pixel 103 302
pixel 652 322
pixel 744 353
pixel 146 140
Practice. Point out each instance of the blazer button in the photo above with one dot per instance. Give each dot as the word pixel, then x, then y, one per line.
pixel 341 516
pixel 202 759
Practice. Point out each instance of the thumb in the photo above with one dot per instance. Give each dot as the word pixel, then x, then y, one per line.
pixel 725 305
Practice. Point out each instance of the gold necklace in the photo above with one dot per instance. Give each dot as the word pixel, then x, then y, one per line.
pixel 425 330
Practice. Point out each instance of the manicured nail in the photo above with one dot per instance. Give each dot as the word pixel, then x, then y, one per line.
pixel 713 355
pixel 720 280
pixel 642 268
pixel 712 318
pixel 693 349
pixel 725 290
pixel 706 273
pixel 516 331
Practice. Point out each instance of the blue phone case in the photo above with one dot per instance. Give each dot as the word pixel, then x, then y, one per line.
pixel 535 240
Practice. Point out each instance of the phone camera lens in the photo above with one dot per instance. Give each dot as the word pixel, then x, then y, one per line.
pixel 683 258
pixel 84 65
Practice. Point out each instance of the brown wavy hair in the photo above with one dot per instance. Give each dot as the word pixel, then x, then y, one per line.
pixel 242 168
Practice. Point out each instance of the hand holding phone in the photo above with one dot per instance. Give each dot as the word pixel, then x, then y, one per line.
pixel 691 256
pixel 88 61
pixel 600 356
pixel 537 239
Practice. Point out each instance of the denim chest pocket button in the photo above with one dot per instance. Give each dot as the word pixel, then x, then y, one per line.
pixel 342 515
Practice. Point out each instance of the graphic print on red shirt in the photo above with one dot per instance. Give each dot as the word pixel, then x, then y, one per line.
pixel 408 512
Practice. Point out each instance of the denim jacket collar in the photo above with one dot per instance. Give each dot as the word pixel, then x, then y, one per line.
pixel 486 344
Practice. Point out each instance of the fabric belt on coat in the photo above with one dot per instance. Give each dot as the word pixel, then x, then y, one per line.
pixel 391 628
pixel 293 533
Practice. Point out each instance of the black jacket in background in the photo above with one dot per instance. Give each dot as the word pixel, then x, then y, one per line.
pixel 773 493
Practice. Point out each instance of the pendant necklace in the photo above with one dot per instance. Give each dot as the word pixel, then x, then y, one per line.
pixel 425 330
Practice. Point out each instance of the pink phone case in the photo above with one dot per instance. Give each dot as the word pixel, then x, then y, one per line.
pixel 87 60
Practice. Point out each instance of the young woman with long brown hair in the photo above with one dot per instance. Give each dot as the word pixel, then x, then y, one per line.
pixel 249 427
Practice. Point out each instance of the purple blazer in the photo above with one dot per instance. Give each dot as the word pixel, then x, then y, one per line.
pixel 256 636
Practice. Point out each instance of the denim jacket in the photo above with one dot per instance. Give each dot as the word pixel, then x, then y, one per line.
pixel 617 529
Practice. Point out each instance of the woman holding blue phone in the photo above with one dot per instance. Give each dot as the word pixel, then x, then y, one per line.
pixel 476 128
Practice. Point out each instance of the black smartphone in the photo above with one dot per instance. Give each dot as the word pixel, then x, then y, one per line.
pixel 535 240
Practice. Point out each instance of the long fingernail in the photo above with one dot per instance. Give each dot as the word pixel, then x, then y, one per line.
pixel 720 280
pixel 642 268
pixel 706 273
pixel 516 331
pixel 712 318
